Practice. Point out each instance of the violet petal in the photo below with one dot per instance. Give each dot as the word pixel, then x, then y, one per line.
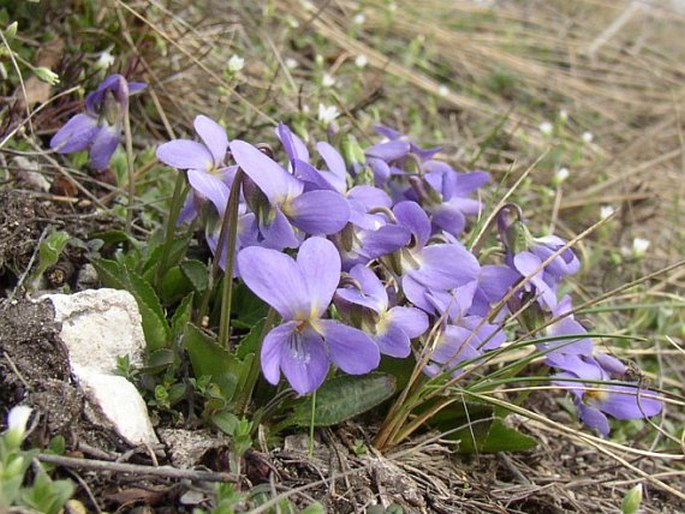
pixel 76 135
pixel 214 137
pixel 352 350
pixel 185 155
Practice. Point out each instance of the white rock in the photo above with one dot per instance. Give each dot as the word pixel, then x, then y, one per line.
pixel 97 327
pixel 120 402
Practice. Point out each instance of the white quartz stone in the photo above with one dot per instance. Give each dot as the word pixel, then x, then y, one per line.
pixel 99 325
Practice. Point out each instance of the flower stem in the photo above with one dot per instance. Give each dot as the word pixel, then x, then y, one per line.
pixel 245 394
pixel 174 211
pixel 128 138
pixel 310 452
pixel 231 218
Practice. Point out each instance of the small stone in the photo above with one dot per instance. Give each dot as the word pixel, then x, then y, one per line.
pixel 187 447
pixel 98 326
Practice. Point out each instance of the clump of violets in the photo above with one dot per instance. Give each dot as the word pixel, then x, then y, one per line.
pixel 99 128
pixel 359 253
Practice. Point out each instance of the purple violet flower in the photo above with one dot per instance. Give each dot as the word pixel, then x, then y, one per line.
pixel 425 268
pixel 208 174
pixel 391 327
pixel 301 291
pixel 99 128
pixel 287 204
pixel 525 254
pixel 466 340
pixel 444 194
pixel 595 401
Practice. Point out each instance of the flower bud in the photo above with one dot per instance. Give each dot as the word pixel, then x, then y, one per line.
pixel 352 151
pixel 46 75
pixel 11 31
pixel 235 63
pixel 560 176
pixel 640 247
pixel 17 420
pixel 632 500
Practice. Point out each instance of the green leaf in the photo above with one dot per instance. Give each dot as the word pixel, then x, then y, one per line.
pixel 250 342
pixel 49 251
pixel 174 285
pixel 401 369
pixel 314 508
pixel 155 327
pixel 112 237
pixel 492 437
pixel 225 421
pixel 159 360
pixel 247 307
pixel 344 397
pixel 503 438
pixel 208 358
pixel 197 274
pixel 111 273
pixel 182 316
pixel 176 253
pixel 52 247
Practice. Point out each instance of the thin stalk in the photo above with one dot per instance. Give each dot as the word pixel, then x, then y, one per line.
pixel 231 218
pixel 174 211
pixel 310 451
pixel 128 138
pixel 245 394
pixel 221 243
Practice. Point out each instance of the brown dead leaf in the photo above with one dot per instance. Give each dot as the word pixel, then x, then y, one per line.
pixel 133 495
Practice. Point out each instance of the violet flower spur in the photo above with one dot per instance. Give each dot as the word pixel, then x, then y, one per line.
pixel 99 127
pixel 300 291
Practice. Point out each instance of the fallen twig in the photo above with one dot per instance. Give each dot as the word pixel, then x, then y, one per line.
pixel 138 469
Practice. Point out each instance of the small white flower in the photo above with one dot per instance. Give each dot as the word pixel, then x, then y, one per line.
pixel 606 211
pixel 327 113
pixel 290 63
pixel 359 19
pixel 235 63
pixel 640 246
pixel 361 61
pixel 105 59
pixel 392 7
pixel 18 418
pixel 560 176
pixel 443 90
pixel 327 80
pixel 563 115
pixel 587 137
pixel 546 128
